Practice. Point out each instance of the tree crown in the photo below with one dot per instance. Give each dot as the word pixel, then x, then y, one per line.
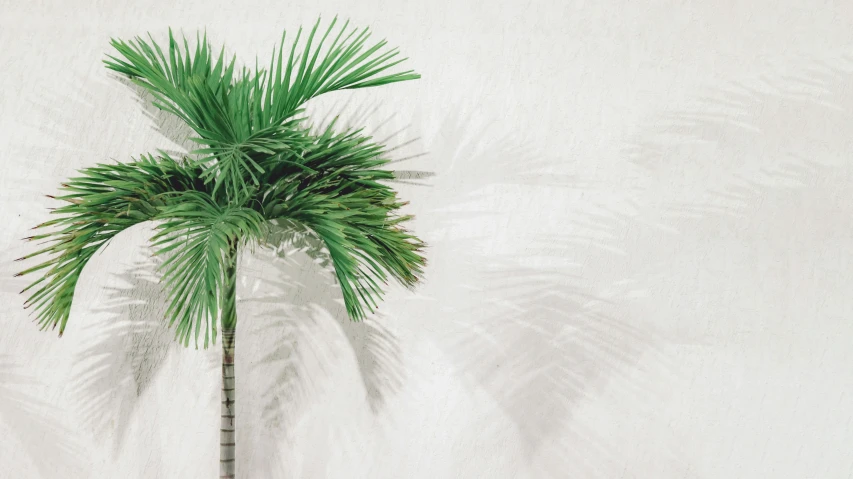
pixel 259 163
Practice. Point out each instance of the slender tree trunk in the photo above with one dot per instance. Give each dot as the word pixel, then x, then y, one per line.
pixel 227 436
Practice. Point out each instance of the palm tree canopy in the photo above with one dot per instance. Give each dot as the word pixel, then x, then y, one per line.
pixel 258 163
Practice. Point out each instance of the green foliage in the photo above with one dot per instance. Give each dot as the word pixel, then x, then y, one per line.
pixel 335 190
pixel 201 236
pixel 104 201
pixel 259 163
pixel 240 116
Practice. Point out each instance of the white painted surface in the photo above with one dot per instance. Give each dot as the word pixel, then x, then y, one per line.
pixel 641 245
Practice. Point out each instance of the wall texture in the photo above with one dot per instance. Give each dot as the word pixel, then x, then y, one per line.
pixel 639 228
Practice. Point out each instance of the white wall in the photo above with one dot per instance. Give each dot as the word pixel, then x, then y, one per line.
pixel 641 245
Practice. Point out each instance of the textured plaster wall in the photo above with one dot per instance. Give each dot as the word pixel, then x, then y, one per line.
pixel 640 231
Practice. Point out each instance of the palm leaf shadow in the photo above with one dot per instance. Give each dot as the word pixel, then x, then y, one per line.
pixel 164 123
pixel 298 329
pixel 41 166
pixel 541 344
pixel 747 139
pixel 748 144
pixel 35 425
pixel 525 328
pixel 745 144
pixel 302 281
pixel 546 347
pixel 129 348
pixel 751 143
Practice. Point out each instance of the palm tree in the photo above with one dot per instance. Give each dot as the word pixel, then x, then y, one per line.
pixel 261 165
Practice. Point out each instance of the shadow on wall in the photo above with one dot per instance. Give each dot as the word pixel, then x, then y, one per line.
pixel 303 280
pixel 764 164
pixel 529 325
pixel 536 334
pixel 522 324
pixel 129 347
pixel 298 331
pixel 33 428
pixel 772 133
pixel 42 165
pixel 165 124
pixel 777 139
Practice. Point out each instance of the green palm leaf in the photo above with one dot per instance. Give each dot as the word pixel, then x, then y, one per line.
pixel 102 202
pixel 335 191
pixel 202 237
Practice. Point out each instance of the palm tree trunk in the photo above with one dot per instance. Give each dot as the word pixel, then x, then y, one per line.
pixel 227 439
pixel 227 436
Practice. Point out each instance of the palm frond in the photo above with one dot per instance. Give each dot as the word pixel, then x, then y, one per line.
pixel 183 83
pixel 335 191
pixel 241 116
pixel 348 63
pixel 202 237
pixel 102 202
